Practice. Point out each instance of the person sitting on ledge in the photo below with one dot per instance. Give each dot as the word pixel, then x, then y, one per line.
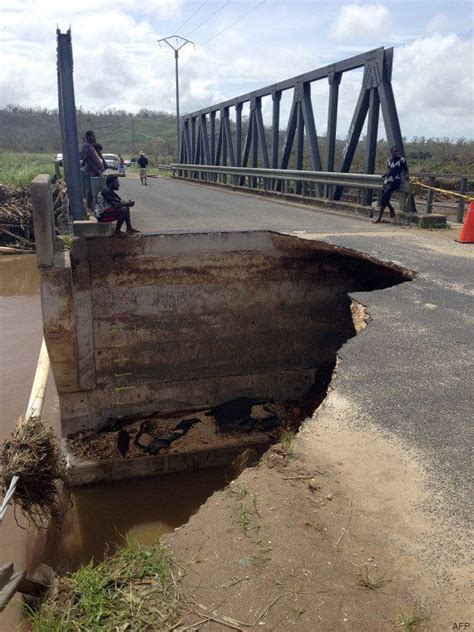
pixel 111 208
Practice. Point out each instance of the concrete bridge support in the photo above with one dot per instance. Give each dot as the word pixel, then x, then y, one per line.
pixel 161 323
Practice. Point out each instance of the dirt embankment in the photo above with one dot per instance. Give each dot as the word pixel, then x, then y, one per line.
pixel 328 534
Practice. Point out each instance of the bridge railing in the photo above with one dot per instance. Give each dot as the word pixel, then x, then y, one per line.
pixel 302 183
pixel 360 180
pixel 311 182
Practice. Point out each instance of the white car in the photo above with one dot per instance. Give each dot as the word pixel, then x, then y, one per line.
pixel 111 160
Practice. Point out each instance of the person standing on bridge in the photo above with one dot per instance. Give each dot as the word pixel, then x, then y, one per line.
pixel 111 208
pixel 121 165
pixel 143 164
pixel 396 167
pixel 93 166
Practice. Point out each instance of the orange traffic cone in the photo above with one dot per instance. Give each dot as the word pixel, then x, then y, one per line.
pixel 466 236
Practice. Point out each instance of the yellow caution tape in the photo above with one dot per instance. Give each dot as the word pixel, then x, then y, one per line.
pixel 427 186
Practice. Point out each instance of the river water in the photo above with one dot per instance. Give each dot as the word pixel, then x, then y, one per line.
pixel 102 515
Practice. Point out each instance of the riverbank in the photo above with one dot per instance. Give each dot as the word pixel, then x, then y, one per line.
pixel 329 531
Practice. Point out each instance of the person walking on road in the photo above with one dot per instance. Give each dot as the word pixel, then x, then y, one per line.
pixel 111 208
pixel 121 165
pixel 143 164
pixel 396 168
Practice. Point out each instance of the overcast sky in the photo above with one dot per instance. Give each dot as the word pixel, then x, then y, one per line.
pixel 242 45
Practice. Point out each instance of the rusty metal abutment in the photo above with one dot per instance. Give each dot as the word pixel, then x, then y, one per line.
pixel 160 323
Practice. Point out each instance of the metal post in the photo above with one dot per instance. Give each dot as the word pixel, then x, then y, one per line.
pixel 224 145
pixel 334 81
pixel 429 199
pixel 310 127
pixel 68 109
pixel 213 176
pixel 177 101
pixel 238 125
pixel 254 146
pixel 173 41
pixel 371 142
pixel 193 144
pixel 299 145
pixel 261 132
pixel 462 190
pixel 276 97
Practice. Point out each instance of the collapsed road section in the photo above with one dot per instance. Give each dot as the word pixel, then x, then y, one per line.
pixel 179 351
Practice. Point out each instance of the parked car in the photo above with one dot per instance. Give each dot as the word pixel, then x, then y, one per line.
pixel 111 160
pixel 127 162
pixel 59 160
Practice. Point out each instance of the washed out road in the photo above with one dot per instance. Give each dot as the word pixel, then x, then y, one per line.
pixel 413 371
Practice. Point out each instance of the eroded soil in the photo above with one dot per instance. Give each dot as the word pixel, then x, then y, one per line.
pixel 290 543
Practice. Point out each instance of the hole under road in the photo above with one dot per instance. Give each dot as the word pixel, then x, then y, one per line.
pixel 243 341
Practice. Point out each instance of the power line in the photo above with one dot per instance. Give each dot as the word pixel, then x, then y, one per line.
pixel 208 18
pixel 241 17
pixel 244 15
pixel 192 15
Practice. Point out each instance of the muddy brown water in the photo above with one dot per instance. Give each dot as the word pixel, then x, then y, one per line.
pixel 102 515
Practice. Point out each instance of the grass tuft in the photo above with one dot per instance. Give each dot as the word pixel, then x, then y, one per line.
pixel 243 517
pixel 134 587
pixel 411 622
pixel 368 580
pixel 287 440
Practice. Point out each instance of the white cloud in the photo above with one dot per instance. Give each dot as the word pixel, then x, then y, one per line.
pixel 437 23
pixel 358 21
pixel 117 62
pixel 432 90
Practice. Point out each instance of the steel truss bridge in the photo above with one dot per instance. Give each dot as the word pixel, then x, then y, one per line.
pixel 208 139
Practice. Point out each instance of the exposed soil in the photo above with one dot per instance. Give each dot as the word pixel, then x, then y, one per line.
pixel 330 535
pixel 112 443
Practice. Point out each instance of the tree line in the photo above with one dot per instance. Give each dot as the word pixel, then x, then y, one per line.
pixel 36 130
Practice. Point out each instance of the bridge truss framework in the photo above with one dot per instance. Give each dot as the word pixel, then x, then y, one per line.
pixel 203 144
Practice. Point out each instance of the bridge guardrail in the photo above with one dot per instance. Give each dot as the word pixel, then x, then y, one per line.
pixel 358 180
pixel 361 181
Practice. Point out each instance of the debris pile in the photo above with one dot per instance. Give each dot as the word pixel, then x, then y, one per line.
pixel 138 437
pixel 16 219
pixel 244 414
pixel 33 455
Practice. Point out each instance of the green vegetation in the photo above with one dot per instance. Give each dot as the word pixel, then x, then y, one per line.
pixel 287 440
pixel 243 517
pixel 20 168
pixel 36 130
pixel 371 580
pixel 134 587
pixel 411 622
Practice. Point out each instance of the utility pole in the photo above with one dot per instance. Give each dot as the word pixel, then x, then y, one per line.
pixel 133 135
pixel 176 42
